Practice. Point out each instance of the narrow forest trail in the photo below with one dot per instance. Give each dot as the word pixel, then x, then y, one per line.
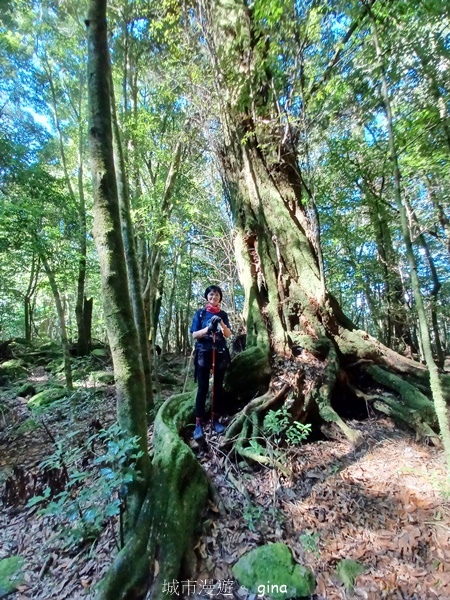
pixel 383 505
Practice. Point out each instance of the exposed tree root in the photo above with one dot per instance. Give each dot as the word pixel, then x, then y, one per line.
pixel 175 498
pixel 256 406
pixel 351 356
pixel 322 392
pixel 412 408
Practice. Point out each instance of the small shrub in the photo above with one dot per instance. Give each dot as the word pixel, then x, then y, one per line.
pixel 309 541
pixel 277 427
pixel 90 498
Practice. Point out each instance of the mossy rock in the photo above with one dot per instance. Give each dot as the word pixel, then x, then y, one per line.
pixel 100 353
pixel 271 571
pixel 49 346
pixel 46 397
pixel 168 379
pixel 13 368
pixel 105 377
pixel 248 374
pixel 27 389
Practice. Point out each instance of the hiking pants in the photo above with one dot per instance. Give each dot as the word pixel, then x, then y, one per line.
pixel 203 374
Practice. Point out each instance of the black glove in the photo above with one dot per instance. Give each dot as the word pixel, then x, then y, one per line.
pixel 213 324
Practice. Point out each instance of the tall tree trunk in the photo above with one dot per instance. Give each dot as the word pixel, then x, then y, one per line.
pixel 170 495
pixel 119 318
pixel 286 308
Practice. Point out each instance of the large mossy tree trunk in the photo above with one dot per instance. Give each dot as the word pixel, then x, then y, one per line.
pixel 119 318
pixel 287 305
pixel 165 502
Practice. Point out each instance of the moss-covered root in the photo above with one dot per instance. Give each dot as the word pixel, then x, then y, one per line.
pixel 413 408
pixel 249 374
pixel 176 497
pixel 320 396
pixel 257 406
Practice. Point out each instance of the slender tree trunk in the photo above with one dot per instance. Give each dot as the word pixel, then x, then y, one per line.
pixel 155 283
pixel 87 316
pixel 83 342
pixel 421 240
pixel 29 295
pixel 81 205
pixel 119 318
pixel 134 280
pixel 435 383
pixel 61 320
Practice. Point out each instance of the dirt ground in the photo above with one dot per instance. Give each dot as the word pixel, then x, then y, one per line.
pixel 385 505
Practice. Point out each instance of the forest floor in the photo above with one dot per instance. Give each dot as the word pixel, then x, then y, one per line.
pixel 385 505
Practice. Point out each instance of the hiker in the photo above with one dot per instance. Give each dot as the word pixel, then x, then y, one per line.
pixel 209 329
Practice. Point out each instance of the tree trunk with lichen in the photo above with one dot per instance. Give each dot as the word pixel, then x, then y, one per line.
pixel 165 502
pixel 292 320
pixel 160 547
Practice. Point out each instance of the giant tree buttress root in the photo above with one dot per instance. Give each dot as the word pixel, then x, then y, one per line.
pixel 157 548
pixel 353 365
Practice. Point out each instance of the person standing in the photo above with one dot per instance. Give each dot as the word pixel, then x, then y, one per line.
pixel 210 328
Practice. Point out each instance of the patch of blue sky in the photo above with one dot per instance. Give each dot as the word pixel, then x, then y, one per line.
pixel 41 119
pixel 138 29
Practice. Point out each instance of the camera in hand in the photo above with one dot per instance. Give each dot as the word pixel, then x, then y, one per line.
pixel 213 324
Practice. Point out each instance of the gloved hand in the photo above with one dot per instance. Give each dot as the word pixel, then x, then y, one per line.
pixel 213 324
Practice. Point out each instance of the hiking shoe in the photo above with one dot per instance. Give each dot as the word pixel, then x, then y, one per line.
pixel 198 432
pixel 218 427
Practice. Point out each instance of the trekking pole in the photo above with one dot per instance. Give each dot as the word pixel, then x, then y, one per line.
pixel 188 369
pixel 213 375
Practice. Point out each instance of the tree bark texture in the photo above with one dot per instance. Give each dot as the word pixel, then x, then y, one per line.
pixel 134 279
pixel 119 318
pixel 169 498
pixel 161 544
pixel 287 309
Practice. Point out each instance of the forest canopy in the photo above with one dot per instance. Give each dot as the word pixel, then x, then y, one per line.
pixel 294 153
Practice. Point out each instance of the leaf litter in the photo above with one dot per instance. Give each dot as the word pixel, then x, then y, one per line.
pixel 385 505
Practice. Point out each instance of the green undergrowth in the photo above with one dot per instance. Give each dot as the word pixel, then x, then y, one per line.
pixel 97 474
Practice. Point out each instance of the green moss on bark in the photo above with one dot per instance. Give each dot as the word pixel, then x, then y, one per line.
pixel 412 398
pixel 249 373
pixel 171 512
